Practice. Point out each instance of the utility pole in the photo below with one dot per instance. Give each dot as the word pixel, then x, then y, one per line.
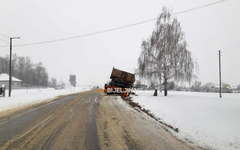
pixel 10 67
pixel 220 83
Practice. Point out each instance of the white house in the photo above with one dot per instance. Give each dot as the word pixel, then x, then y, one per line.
pixel 4 79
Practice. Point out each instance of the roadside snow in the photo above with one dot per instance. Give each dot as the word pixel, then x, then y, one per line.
pixel 26 97
pixel 202 118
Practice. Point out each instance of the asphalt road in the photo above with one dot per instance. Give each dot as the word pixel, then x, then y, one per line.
pixel 87 120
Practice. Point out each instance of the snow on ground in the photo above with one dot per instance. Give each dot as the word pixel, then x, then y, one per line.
pixel 202 118
pixel 25 97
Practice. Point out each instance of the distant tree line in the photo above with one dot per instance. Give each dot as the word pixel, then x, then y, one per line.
pixel 207 87
pixel 195 87
pixel 210 87
pixel 24 69
pixel 53 83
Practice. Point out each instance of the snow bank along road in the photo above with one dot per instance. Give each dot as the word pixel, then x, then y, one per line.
pixel 85 120
pixel 202 118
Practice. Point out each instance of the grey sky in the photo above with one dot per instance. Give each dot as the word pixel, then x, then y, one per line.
pixel 91 58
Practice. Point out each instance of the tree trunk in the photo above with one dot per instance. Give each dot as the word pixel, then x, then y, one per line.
pixel 155 92
pixel 165 89
pixel 160 83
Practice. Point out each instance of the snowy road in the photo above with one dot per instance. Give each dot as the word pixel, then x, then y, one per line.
pixel 86 120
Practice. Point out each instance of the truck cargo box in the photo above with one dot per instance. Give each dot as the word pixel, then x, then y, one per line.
pixel 121 78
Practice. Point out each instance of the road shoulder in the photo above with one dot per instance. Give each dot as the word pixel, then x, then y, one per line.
pixel 121 127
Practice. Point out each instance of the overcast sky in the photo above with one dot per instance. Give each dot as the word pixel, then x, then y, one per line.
pixel 91 58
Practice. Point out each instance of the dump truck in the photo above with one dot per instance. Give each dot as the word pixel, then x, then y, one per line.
pixel 121 83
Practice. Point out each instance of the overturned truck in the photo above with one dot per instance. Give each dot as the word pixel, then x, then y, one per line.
pixel 121 83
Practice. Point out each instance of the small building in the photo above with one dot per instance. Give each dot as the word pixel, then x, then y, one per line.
pixel 4 79
pixel 227 89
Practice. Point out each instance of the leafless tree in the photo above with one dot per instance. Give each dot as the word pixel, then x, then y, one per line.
pixel 164 55
pixel 4 64
pixel 24 69
pixel 39 71
pixel 28 69
pixel 14 65
pixel 238 87
pixel 21 68
pixel 53 83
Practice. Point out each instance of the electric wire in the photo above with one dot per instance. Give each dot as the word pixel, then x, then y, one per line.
pixel 230 49
pixel 199 7
pixel 4 40
pixel 117 28
pixel 208 60
pixel 4 35
pixel 225 50
pixel 228 52
pixel 4 45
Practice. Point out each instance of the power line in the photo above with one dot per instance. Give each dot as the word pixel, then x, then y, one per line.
pixel 236 43
pixel 199 7
pixel 118 28
pixel 4 45
pixel 4 35
pixel 229 49
pixel 204 62
pixel 4 40
pixel 226 49
pixel 211 58
pixel 213 54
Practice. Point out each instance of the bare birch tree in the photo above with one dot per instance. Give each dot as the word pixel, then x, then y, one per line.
pixel 164 55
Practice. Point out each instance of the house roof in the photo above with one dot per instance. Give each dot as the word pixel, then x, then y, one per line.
pixel 5 77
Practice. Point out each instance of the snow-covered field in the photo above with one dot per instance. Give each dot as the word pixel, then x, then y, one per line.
pixel 26 97
pixel 202 118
